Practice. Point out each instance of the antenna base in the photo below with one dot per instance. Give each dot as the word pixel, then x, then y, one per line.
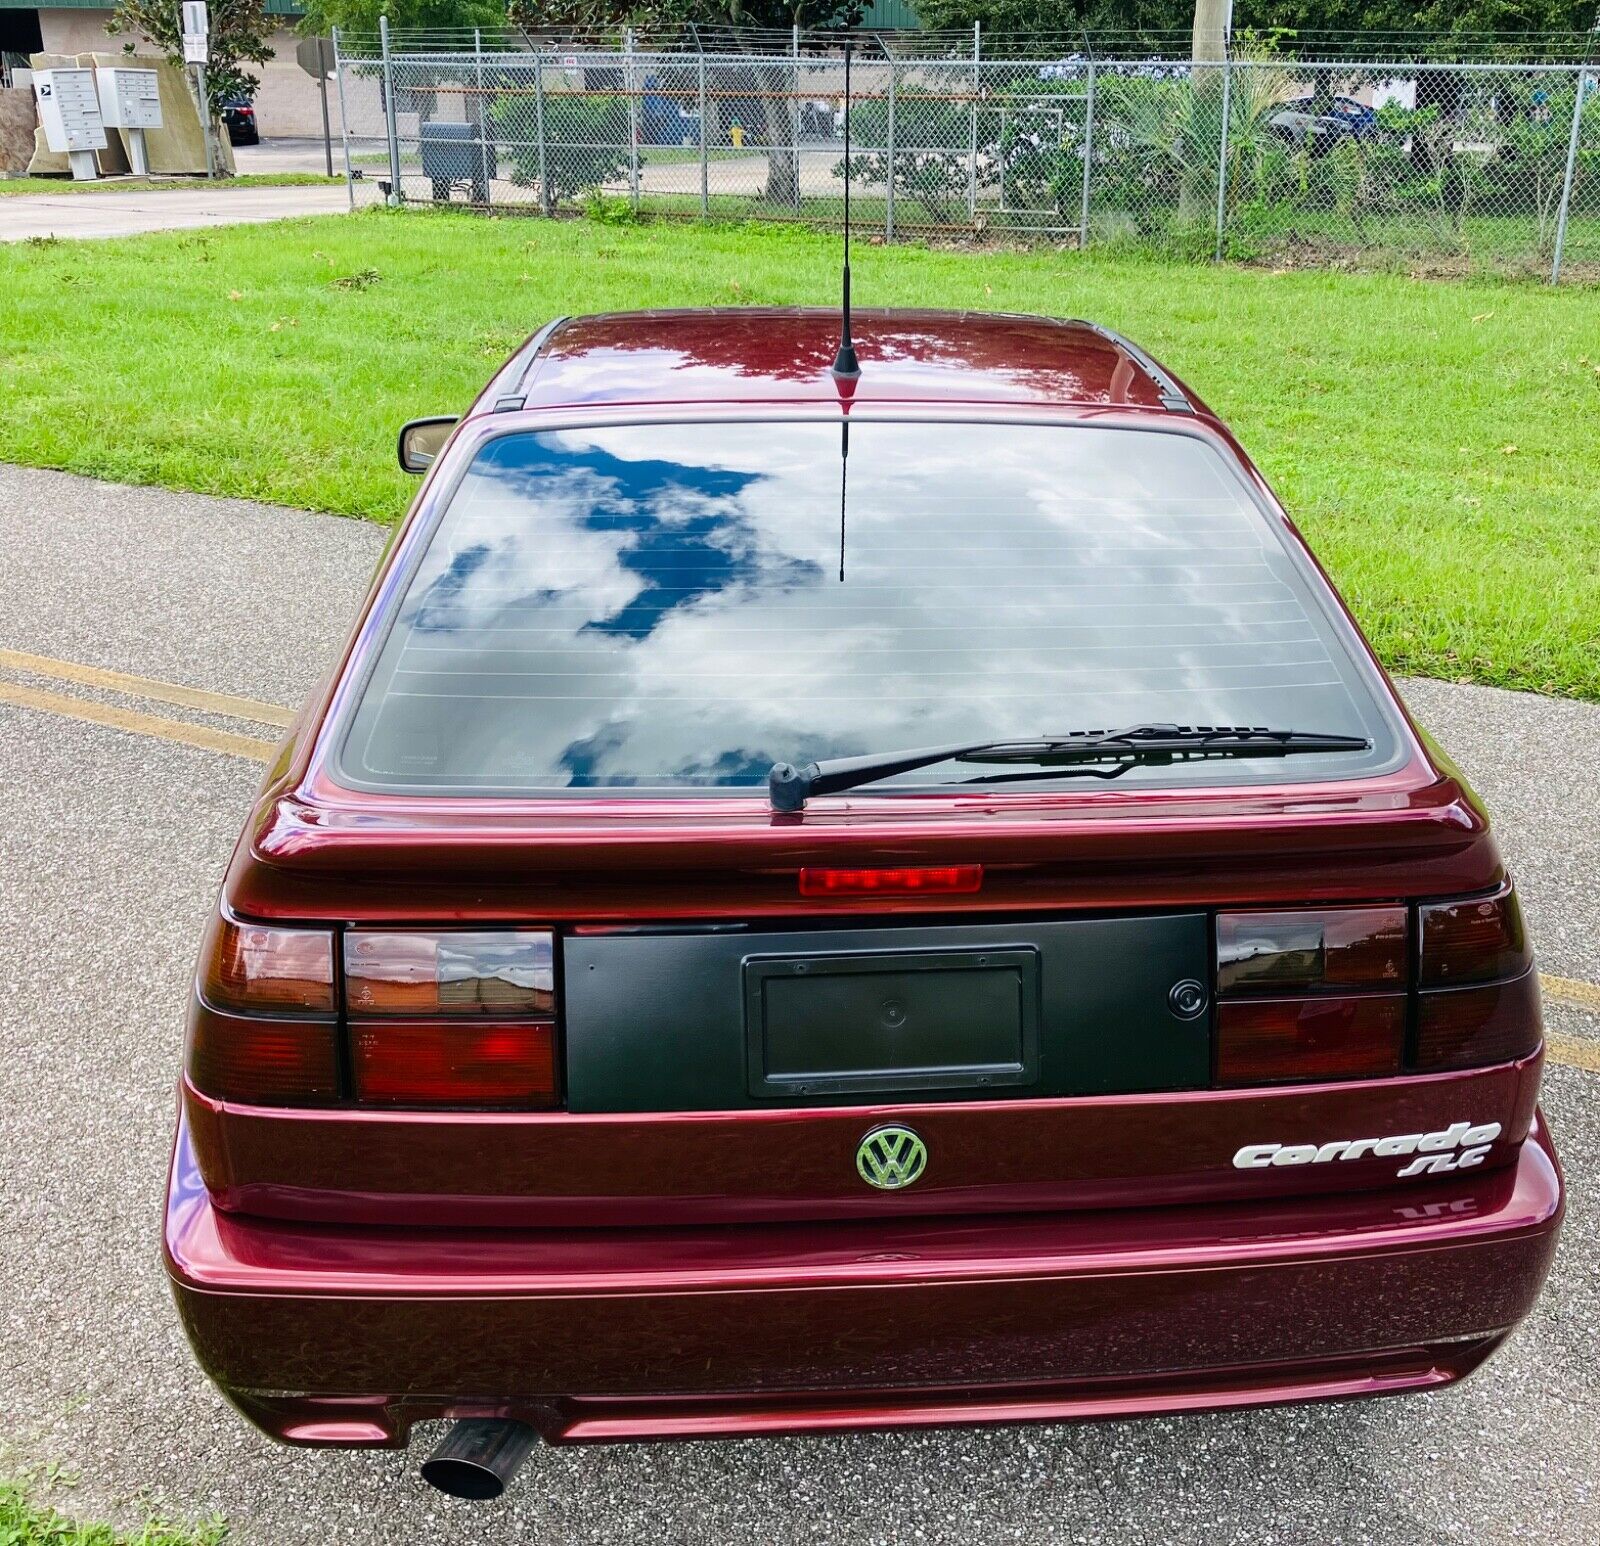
pixel 845 362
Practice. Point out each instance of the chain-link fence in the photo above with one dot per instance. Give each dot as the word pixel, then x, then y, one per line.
pixel 1433 167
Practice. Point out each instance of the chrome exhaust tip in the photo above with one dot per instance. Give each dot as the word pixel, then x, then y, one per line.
pixel 478 1457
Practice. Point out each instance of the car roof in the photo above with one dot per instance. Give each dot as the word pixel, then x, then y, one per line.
pixel 770 354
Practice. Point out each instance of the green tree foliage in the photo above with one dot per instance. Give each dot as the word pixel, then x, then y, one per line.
pixel 239 31
pixel 434 15
pixel 1437 16
pixel 1064 17
pixel 585 137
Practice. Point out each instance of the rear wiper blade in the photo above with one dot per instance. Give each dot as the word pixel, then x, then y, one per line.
pixel 790 787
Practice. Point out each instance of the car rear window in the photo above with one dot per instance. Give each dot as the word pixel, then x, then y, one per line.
pixel 677 606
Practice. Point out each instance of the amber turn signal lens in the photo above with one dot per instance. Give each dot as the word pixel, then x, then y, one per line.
pixel 947 880
pixel 250 967
pixel 1260 1041
pixel 455 1063
pixel 1312 950
pixel 1478 939
pixel 450 972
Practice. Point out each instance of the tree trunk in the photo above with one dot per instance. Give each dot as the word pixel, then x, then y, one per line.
pixel 1205 116
pixel 783 186
pixel 773 85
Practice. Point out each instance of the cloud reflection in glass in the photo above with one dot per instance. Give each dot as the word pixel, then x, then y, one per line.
pixel 660 605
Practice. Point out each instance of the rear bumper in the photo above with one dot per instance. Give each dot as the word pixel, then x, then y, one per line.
pixel 339 1335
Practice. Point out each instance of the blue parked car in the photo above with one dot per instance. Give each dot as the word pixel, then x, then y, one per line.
pixel 1295 121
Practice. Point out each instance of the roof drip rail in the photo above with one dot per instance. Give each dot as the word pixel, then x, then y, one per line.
pixel 1171 394
pixel 525 361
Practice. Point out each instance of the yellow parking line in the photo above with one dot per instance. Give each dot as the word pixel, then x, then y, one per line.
pixel 118 718
pixel 148 687
pixel 1566 990
pixel 1573 1051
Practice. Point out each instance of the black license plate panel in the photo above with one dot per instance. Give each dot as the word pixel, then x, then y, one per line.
pixel 863 1022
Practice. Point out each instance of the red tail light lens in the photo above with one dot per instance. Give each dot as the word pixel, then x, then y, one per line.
pixel 1472 1027
pixel 1331 950
pixel 474 1062
pixel 1478 939
pixel 1311 994
pixel 947 880
pixel 261 1062
pixel 1327 993
pixel 1475 940
pixel 1262 1041
pixel 452 1017
pixel 450 973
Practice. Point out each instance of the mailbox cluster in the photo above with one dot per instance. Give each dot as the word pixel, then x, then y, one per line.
pixel 77 105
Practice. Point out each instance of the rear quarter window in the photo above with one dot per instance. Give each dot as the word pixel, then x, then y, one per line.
pixel 676 606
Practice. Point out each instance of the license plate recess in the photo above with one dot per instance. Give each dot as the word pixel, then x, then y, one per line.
pixel 859 1022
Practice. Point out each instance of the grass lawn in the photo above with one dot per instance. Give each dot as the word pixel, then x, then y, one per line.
pixel 23 1523
pixel 24 185
pixel 1436 440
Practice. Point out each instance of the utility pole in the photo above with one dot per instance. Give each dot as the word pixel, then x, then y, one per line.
pixel 196 52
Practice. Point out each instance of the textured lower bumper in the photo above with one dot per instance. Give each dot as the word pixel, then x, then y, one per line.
pixel 338 1335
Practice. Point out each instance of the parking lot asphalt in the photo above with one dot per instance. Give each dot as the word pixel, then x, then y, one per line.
pixel 112 843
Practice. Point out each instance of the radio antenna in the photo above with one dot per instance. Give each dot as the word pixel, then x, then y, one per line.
pixel 845 365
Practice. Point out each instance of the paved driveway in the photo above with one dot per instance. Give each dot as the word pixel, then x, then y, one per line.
pixel 112 841
pixel 159 209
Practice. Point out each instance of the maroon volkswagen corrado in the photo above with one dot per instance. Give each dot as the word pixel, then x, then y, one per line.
pixel 816 901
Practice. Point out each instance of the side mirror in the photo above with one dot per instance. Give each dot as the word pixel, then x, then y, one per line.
pixel 422 440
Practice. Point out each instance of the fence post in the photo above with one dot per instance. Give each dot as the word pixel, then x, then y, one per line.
pixel 1088 157
pixel 972 136
pixel 705 168
pixel 630 85
pixel 794 114
pixel 1566 187
pixel 888 208
pixel 1222 141
pixel 344 119
pixel 388 112
pixel 547 205
pixel 483 122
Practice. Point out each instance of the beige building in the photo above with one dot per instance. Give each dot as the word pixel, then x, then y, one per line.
pixel 286 102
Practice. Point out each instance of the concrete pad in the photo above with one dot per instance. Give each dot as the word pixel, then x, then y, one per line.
pixel 159 209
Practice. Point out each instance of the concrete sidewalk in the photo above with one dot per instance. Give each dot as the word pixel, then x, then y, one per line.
pixel 98 214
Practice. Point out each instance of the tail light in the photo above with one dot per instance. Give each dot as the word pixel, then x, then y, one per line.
pixel 1361 992
pixel 263 1024
pixel 458 1018
pixel 1337 981
pixel 441 1063
pixel 943 880
pixel 445 1019
pixel 1480 939
pixel 452 1018
pixel 1480 994
pixel 1262 1040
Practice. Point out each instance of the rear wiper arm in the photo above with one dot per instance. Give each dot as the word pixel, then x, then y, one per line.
pixel 790 787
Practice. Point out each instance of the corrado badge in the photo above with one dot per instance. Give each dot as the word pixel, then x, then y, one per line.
pixel 1457 1147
